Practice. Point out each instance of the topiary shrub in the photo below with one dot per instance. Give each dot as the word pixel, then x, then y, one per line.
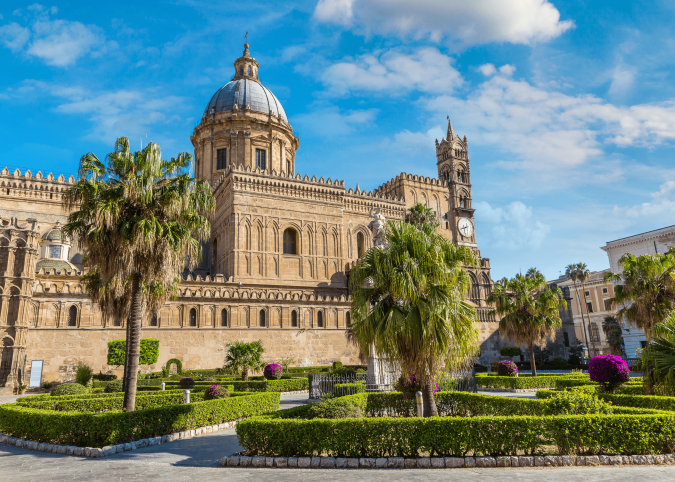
pixel 507 369
pixel 337 365
pixel 114 386
pixel 575 403
pixel 69 389
pixel 610 371
pixel 353 406
pixel 186 383
pixel 215 392
pixel 83 374
pixel 273 371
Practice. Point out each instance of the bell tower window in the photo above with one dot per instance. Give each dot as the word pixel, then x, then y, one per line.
pixel 221 156
pixel 360 248
pixel 55 252
pixel 260 158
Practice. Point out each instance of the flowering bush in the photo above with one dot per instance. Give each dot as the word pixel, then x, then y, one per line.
pixel 610 371
pixel 409 386
pixel 507 369
pixel 273 371
pixel 215 392
pixel 186 383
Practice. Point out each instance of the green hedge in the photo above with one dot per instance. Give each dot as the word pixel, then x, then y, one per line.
pixel 459 436
pixel 101 429
pixel 516 382
pixel 343 389
pixel 640 401
pixel 526 375
pixel 40 398
pixel 283 385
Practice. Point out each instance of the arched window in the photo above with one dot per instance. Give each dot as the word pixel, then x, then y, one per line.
pixel 223 318
pixel 460 176
pixel 72 316
pixel 360 244
pixel 349 319
pixel 289 241
pixel 250 72
pixel 193 317
pixel 262 318
pixel 294 319
pixel 116 322
pixel 319 319
pixel 241 70
pixel 153 320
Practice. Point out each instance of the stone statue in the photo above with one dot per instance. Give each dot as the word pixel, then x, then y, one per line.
pixel 377 226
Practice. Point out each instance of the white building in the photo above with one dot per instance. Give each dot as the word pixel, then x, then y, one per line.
pixel 651 242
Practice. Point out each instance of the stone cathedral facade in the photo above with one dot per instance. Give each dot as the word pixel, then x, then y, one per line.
pixel 275 269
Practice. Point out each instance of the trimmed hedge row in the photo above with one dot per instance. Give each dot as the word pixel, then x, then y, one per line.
pixel 101 429
pixel 283 385
pixel 459 436
pixel 526 375
pixel 640 401
pixel 517 382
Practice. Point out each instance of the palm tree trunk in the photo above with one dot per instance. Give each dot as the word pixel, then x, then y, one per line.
pixel 244 374
pixel 583 322
pixel 589 321
pixel 533 363
pixel 126 358
pixel 134 343
pixel 429 403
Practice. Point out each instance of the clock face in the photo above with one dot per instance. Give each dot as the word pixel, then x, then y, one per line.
pixel 465 227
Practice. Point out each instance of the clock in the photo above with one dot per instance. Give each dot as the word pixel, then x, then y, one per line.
pixel 465 227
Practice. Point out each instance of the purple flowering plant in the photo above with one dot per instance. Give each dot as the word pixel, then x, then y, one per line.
pixel 507 369
pixel 610 371
pixel 273 371
pixel 215 392
pixel 409 386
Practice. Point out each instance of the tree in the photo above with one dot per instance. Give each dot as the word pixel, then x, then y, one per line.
pixel 646 288
pixel 420 214
pixel 612 330
pixel 141 220
pixel 244 357
pixel 148 352
pixel 529 310
pixel 579 272
pixel 408 304
pixel 658 358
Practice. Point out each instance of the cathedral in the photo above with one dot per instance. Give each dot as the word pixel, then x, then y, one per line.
pixel 275 269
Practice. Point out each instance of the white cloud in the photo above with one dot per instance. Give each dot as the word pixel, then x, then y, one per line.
pixel 331 121
pixel 550 131
pixel 662 205
pixel 425 70
pixel 55 42
pixel 512 227
pixel 507 69
pixel 487 69
pixel 475 22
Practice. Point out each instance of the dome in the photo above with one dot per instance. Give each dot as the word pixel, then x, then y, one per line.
pixel 59 264
pixel 243 93
pixel 56 235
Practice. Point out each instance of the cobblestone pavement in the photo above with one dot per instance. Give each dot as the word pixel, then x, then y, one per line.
pixel 198 458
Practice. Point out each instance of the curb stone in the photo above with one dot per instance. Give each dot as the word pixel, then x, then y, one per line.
pixel 99 452
pixel 439 462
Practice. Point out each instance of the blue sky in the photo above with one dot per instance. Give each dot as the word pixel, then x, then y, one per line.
pixel 569 107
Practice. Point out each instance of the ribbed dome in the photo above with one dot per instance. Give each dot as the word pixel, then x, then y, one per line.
pixel 48 264
pixel 243 93
pixel 55 235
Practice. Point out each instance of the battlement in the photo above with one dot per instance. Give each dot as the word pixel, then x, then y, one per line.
pixel 393 183
pixel 38 186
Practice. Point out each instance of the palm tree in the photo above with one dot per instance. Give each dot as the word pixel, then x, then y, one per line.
pixel 244 357
pixel 530 312
pixel 140 220
pixel 421 214
pixel 646 288
pixel 612 330
pixel 408 304
pixel 573 271
pixel 582 275
pixel 658 357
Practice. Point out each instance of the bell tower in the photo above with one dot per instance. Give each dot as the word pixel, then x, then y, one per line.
pixel 452 160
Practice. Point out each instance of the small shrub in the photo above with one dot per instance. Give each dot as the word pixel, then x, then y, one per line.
pixel 83 374
pixel 343 389
pixel 105 377
pixel 69 389
pixel 610 371
pixel 344 407
pixel 409 386
pixel 558 363
pixel 47 386
pixel 273 371
pixel 575 403
pixel 186 383
pixel 507 369
pixel 337 365
pixel 141 375
pixel 493 366
pixel 510 351
pixel 114 386
pixel 215 392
